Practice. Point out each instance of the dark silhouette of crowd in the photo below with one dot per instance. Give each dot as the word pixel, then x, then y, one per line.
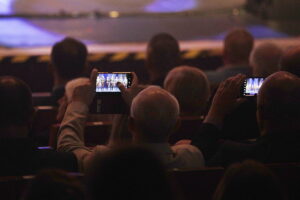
pixel 182 119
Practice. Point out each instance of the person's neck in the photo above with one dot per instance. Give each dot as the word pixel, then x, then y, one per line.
pixel 14 132
pixel 231 64
pixel 58 81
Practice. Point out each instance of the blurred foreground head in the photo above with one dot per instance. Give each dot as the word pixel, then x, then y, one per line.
pixel 16 107
pixel 248 180
pixel 163 54
pixel 191 88
pixel 154 115
pixel 128 173
pixel 278 103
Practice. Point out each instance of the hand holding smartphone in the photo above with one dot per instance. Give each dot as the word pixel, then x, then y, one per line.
pixel 107 82
pixel 108 95
pixel 251 86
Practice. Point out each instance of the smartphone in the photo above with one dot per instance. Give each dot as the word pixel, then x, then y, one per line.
pixel 251 86
pixel 107 82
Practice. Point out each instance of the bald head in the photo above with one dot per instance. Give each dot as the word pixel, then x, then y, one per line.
pixel 290 61
pixel 15 102
pixel 191 88
pixel 155 113
pixel 265 59
pixel 279 99
pixel 238 45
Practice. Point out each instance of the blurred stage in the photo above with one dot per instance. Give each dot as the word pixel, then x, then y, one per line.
pixel 32 26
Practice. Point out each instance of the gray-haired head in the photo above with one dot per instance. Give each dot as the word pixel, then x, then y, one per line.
pixel 154 113
pixel 265 59
pixel 278 103
pixel 191 88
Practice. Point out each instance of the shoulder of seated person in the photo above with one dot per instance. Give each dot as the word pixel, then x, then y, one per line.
pixel 101 148
pixel 185 148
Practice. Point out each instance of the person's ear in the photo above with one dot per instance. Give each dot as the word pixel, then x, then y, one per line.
pixel 133 129
pixel 177 125
pixel 131 125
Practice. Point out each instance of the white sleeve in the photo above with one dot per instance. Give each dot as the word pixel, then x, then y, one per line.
pixel 190 155
pixel 71 133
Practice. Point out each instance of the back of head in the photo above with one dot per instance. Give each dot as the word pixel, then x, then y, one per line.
pixel 55 185
pixel 265 59
pixel 278 99
pixel 15 102
pixel 191 88
pixel 238 45
pixel 163 54
pixel 69 58
pixel 128 173
pixel 248 180
pixel 155 113
pixel 290 61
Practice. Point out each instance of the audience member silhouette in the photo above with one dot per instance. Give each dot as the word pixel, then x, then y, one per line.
pixel 128 173
pixel 68 61
pixel 18 151
pixel 163 54
pixel 154 116
pixel 248 180
pixel 278 115
pixel 191 88
pixel 238 45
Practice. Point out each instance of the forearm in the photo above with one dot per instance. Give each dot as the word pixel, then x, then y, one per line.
pixel 207 139
pixel 71 132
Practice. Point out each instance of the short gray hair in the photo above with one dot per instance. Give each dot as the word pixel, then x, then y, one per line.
pixel 191 88
pixel 155 112
pixel 265 59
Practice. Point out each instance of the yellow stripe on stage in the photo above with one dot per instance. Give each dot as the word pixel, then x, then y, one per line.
pixel 96 57
pixel 45 58
pixel 19 59
pixel 191 54
pixel 140 56
pixel 119 57
pixel 216 52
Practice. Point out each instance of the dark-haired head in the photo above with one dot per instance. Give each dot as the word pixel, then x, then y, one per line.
pixel 16 106
pixel 128 173
pixel 69 58
pixel 238 45
pixel 163 54
pixel 248 180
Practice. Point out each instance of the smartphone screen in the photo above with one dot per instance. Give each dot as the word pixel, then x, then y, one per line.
pixel 251 86
pixel 107 82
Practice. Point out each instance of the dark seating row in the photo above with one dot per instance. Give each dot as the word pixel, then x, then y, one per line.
pixel 194 184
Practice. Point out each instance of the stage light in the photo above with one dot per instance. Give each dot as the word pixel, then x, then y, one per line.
pixel 114 14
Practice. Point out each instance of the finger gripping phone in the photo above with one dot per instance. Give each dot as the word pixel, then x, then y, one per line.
pixel 251 86
pixel 107 82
